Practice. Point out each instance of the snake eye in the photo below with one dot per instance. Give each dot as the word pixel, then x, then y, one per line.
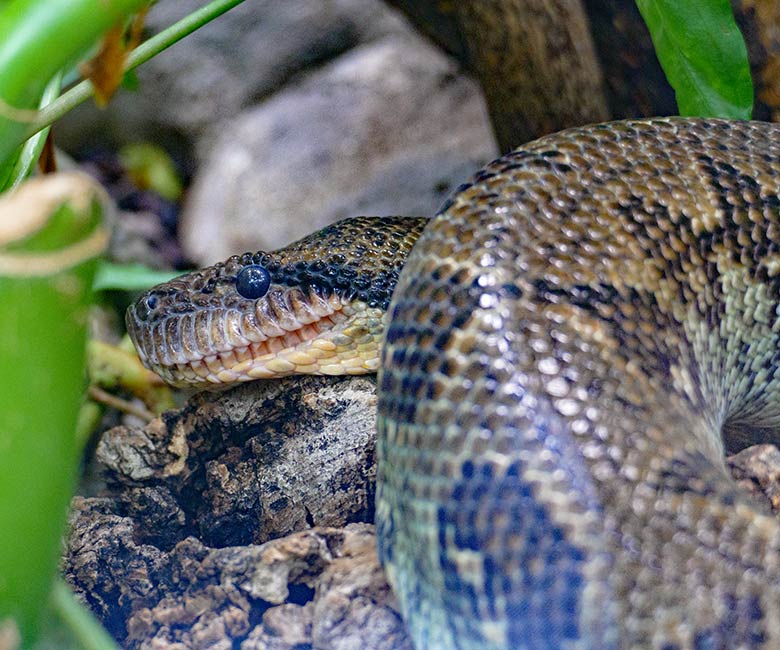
pixel 144 308
pixel 253 281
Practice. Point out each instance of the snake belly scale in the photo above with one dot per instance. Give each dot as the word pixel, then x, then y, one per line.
pixel 568 344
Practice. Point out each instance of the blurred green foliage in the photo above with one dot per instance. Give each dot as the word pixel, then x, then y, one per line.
pixel 47 266
pixel 52 235
pixel 150 167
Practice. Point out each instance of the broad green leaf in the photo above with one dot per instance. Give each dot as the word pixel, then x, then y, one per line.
pixel 51 232
pixel 703 55
pixel 129 277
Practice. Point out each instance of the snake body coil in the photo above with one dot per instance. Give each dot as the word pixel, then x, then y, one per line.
pixel 567 342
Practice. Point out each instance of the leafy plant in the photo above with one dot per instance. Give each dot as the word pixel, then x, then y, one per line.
pixel 37 40
pixel 703 55
pixel 51 237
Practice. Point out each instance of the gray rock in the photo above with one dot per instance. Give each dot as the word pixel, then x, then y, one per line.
pixel 388 128
pixel 247 53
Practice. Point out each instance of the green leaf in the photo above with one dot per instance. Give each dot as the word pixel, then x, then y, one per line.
pixel 129 277
pixel 130 81
pixel 45 289
pixel 85 633
pixel 703 55
pixel 37 39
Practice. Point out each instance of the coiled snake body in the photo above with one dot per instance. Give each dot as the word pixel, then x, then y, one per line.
pixel 567 342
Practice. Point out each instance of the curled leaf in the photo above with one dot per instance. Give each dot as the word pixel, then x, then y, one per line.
pixel 107 68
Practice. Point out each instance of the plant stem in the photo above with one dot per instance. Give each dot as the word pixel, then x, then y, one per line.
pixel 139 55
pixel 36 40
pixel 31 150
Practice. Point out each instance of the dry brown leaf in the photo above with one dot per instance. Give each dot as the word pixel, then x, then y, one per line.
pixel 106 69
pixel 47 162
pixel 136 29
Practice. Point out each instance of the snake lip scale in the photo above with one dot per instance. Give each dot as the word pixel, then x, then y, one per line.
pixel 569 345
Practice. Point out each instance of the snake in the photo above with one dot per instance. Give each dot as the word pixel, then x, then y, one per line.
pixel 564 352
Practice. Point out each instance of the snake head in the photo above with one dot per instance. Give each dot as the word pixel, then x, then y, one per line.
pixel 316 306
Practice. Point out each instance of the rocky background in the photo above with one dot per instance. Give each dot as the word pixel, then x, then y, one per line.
pixel 290 115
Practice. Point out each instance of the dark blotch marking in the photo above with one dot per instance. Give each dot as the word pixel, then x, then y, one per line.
pixel 375 288
pixel 448 203
pixel 740 627
pixel 603 301
pixel 543 603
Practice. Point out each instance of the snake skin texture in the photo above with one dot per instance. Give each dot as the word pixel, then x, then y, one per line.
pixel 569 342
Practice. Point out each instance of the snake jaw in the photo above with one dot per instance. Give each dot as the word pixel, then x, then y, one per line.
pixel 201 340
pixel 344 342
pixel 287 332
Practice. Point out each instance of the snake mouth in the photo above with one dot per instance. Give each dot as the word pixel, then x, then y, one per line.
pixel 343 339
